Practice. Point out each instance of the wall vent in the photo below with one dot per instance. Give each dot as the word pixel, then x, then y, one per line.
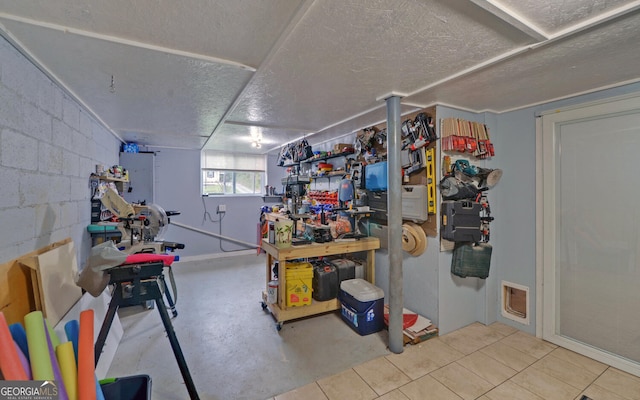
pixel 515 302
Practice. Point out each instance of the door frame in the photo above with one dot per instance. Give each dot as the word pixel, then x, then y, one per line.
pixel 546 217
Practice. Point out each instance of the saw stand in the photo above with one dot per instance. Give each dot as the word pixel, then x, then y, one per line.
pixel 135 284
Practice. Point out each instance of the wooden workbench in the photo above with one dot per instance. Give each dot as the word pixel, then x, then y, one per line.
pixel 283 313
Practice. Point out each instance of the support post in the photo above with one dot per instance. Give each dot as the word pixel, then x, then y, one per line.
pixel 394 204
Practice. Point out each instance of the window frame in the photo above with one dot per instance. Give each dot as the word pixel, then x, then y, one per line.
pixel 232 164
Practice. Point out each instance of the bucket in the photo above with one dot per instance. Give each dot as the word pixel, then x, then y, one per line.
pixel 284 231
pixel 272 292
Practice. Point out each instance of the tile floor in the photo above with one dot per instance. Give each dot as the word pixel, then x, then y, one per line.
pixel 495 362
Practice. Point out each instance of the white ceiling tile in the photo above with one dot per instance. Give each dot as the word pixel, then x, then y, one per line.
pixel 555 15
pixel 159 140
pixel 237 30
pixel 153 91
pixel 343 55
pixel 599 58
pixel 238 138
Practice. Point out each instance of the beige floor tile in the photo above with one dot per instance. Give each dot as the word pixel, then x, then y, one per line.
pixel 596 392
pixel 511 391
pixel 393 395
pixel 381 375
pixel 483 333
pixel 544 385
pixel 508 355
pixel 529 344
pixel 504 329
pixel 428 388
pixel 487 368
pixel 461 381
pixel 580 361
pixel 620 383
pixel 418 360
pixel 464 340
pixel 346 385
pixel 438 351
pixel 565 371
pixel 309 392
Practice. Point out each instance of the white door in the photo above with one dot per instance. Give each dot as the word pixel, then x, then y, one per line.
pixel 591 231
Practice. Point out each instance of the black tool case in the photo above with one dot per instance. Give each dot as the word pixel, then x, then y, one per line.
pixel 325 282
pixel 461 220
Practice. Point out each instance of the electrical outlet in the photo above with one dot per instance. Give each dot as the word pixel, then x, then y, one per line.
pixel 222 208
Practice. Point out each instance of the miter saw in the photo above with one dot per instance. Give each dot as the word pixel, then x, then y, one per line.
pixel 142 226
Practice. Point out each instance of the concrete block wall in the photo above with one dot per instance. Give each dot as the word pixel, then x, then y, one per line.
pixel 49 145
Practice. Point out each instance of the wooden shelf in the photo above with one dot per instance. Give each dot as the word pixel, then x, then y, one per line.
pixel 324 158
pixel 283 313
pixel 341 175
pixel 110 178
pixel 272 199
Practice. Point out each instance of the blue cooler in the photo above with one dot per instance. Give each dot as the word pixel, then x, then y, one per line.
pixel 362 305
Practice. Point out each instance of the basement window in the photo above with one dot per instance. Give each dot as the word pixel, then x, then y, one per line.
pixel 232 174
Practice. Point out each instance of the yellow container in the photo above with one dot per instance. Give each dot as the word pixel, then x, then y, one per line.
pixel 298 278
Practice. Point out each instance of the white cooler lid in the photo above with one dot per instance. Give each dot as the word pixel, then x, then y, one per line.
pixel 362 290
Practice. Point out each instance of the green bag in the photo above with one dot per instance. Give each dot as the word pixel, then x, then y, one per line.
pixel 471 260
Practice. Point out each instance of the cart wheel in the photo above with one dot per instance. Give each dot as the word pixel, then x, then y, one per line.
pixel 264 305
pixel 278 326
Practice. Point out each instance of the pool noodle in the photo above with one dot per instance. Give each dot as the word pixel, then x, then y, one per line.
pixel 20 336
pixel 72 329
pixel 68 369
pixel 40 360
pixel 9 360
pixel 24 361
pixel 55 341
pixel 62 391
pixel 99 394
pixel 86 357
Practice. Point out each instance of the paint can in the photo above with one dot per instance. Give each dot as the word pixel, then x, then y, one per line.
pixel 272 292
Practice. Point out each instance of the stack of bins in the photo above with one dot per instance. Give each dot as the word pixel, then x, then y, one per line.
pixel 298 276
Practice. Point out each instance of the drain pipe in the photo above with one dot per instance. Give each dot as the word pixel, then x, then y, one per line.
pixel 215 235
pixel 394 205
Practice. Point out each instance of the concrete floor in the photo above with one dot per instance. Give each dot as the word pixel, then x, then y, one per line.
pixel 231 345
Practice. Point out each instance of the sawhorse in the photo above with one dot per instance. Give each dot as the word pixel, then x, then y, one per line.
pixel 136 284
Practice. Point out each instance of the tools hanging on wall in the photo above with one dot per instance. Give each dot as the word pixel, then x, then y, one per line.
pixel 466 213
pixel 467 137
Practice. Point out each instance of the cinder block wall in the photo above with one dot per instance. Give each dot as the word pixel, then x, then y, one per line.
pixel 49 145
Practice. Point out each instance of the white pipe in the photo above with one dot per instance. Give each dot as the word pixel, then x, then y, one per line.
pixel 191 228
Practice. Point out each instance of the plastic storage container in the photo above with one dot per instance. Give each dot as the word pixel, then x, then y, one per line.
pixel 362 306
pixel 299 277
pixel 346 269
pixel 414 203
pixel 137 387
pixel 325 282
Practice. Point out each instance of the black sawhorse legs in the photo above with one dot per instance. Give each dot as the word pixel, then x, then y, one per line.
pixel 134 285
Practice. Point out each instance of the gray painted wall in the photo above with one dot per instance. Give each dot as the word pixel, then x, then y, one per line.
pixel 178 188
pixel 462 301
pixel 513 199
pixel 49 145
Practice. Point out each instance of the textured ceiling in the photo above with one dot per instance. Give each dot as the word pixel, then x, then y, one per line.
pixel 214 74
